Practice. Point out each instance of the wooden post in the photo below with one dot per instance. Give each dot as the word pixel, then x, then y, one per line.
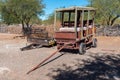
pixel 82 24
pixel 93 29
pixel 69 19
pixel 75 24
pixel 62 19
pixel 88 21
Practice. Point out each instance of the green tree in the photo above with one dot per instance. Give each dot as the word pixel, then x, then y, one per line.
pixel 50 19
pixel 108 11
pixel 21 11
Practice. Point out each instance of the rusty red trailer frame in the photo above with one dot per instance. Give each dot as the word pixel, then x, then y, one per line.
pixel 77 25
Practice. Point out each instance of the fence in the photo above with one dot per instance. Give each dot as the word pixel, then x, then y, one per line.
pixel 13 29
pixel 3 29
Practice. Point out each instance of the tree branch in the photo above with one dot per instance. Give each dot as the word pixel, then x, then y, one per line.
pixel 113 20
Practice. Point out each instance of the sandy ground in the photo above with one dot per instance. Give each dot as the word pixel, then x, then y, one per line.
pixel 14 64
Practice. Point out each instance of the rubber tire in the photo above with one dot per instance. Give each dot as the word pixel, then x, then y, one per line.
pixel 82 48
pixel 94 43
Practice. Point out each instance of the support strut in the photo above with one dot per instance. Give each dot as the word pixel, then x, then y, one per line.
pixel 36 67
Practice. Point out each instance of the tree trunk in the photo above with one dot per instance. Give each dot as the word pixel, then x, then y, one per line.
pixel 27 24
pixel 109 20
pixel 113 20
pixel 23 28
pixel 28 28
pixel 108 23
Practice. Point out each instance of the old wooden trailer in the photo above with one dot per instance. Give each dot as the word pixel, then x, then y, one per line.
pixel 38 37
pixel 77 28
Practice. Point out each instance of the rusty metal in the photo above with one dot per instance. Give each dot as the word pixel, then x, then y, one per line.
pixel 75 27
pixel 36 67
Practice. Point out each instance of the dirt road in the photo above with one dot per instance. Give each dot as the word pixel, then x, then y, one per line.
pixel 98 63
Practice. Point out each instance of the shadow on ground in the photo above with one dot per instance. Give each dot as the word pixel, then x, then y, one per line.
pixel 70 51
pixel 104 67
pixel 75 51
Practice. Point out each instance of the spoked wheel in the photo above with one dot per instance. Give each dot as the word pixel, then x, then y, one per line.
pixel 82 48
pixel 94 43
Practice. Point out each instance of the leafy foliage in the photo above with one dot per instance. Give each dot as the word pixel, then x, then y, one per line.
pixel 21 11
pixel 50 19
pixel 107 11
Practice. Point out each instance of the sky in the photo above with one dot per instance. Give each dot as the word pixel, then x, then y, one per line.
pixel 51 5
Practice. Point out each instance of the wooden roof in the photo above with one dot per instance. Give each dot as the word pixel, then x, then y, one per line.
pixel 78 8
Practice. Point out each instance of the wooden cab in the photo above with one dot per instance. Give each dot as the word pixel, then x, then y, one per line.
pixel 77 27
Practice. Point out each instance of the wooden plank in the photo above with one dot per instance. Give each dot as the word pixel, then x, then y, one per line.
pixel 88 21
pixel 65 35
pixel 75 24
pixel 82 24
pixel 78 8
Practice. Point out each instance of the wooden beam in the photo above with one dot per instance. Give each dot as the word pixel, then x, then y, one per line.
pixel 93 29
pixel 62 19
pixel 78 8
pixel 82 23
pixel 88 21
pixel 75 24
pixel 69 19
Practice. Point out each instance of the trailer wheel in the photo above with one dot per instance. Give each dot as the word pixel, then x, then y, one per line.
pixel 82 48
pixel 94 43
